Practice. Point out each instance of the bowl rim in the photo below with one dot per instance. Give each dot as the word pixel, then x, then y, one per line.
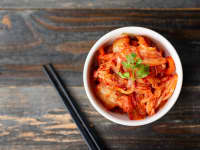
pixel 166 108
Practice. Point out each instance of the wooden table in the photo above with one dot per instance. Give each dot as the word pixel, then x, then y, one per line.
pixel 32 116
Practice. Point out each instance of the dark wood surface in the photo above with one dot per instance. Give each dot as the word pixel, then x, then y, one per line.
pixel 32 116
pixel 99 4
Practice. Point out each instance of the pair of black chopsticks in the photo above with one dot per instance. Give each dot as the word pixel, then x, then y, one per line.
pixel 86 132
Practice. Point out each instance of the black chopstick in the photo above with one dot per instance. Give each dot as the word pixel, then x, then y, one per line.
pixel 85 131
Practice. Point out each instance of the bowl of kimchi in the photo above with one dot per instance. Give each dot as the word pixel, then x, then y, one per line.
pixel 132 76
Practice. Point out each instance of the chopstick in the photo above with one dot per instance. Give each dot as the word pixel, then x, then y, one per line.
pixel 86 132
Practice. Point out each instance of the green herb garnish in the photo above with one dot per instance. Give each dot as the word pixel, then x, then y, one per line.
pixel 126 65
pixel 139 61
pixel 134 64
pixel 125 75
pixel 142 71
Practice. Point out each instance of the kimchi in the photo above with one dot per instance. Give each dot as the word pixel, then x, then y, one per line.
pixel 133 76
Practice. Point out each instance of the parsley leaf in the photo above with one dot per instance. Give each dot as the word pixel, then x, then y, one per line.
pixel 125 75
pixel 130 59
pixel 132 62
pixel 126 65
pixel 133 55
pixel 142 71
pixel 138 61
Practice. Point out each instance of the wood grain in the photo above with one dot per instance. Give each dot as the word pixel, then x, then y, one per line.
pixel 32 116
pixel 36 116
pixel 30 38
pixel 99 4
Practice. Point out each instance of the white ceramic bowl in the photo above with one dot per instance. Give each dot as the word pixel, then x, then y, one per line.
pixel 160 42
